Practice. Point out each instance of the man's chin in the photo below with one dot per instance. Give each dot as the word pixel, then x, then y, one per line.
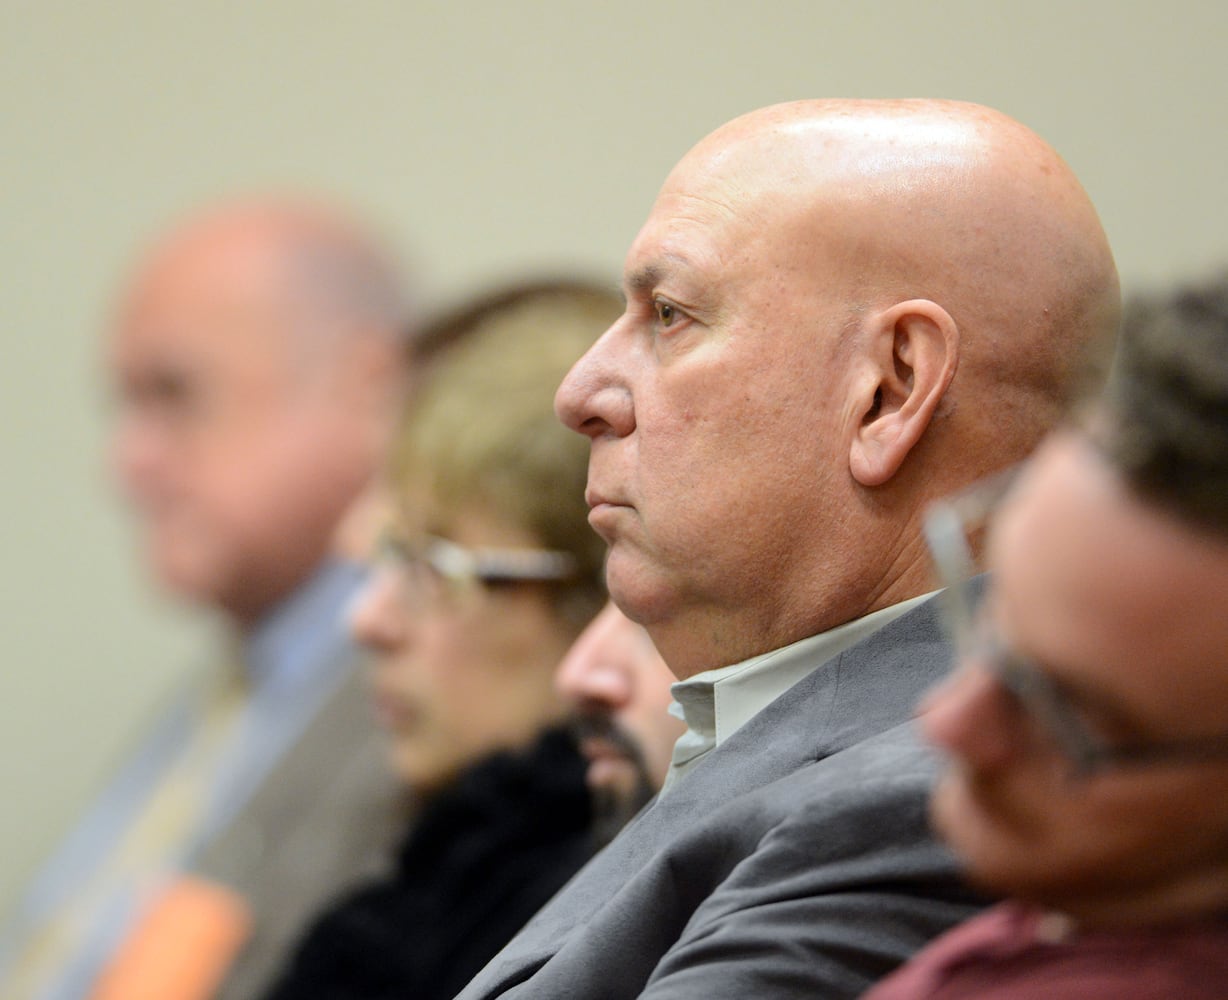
pixel 612 776
pixel 615 807
pixel 617 776
pixel 636 588
pixel 184 579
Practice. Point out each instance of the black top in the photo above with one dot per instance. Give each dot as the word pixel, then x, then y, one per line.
pixel 483 857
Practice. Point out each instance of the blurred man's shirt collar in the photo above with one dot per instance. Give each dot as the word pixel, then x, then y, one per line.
pixel 305 624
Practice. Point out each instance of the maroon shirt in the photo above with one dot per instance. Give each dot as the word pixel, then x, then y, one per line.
pixel 1019 952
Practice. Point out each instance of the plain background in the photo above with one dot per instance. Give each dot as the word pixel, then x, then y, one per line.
pixel 487 140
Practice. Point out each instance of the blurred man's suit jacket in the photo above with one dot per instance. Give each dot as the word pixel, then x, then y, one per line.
pixel 264 774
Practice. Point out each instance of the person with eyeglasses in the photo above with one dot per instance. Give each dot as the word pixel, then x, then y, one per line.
pixel 487 573
pixel 1086 727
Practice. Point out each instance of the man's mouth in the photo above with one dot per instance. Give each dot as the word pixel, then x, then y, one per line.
pixel 595 498
pixel 599 738
pixel 598 749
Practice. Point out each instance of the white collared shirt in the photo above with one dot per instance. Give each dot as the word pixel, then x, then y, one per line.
pixel 716 703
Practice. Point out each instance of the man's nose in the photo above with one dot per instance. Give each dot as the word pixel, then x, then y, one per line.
pixel 595 396
pixel 377 616
pixel 593 671
pixel 136 449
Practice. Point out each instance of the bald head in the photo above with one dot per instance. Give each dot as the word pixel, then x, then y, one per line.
pixel 257 360
pixel 305 259
pixel 837 311
pixel 945 201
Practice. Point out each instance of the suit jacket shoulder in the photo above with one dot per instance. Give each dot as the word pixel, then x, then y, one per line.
pixel 327 815
pixel 795 860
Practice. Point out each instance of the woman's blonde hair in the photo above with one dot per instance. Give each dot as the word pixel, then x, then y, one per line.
pixel 481 427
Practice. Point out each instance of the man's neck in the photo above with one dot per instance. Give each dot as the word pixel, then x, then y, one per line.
pixel 709 640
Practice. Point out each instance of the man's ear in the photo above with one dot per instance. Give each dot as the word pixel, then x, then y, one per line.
pixel 911 355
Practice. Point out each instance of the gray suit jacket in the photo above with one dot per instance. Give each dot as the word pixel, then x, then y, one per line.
pixel 327 815
pixel 794 861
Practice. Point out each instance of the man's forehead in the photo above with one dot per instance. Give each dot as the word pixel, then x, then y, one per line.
pixel 796 181
pixel 1070 488
pixel 686 233
pixel 1065 517
pixel 193 303
pixel 1080 557
pixel 200 275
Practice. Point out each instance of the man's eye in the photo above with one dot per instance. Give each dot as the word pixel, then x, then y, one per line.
pixel 666 313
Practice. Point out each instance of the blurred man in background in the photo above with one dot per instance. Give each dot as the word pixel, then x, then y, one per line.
pixel 258 361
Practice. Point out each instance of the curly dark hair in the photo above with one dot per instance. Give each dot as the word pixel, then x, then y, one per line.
pixel 1167 402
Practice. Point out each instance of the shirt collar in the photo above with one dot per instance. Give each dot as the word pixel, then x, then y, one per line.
pixel 716 703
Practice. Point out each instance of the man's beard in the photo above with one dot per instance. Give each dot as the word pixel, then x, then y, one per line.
pixel 613 808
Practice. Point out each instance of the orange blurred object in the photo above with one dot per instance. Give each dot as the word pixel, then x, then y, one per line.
pixel 181 948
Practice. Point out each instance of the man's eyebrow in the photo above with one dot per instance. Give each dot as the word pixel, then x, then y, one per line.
pixel 643 279
pixel 646 278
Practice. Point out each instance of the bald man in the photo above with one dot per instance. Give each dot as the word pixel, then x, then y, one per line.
pixel 836 312
pixel 257 361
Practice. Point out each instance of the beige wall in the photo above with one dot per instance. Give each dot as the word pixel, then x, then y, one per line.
pixel 487 138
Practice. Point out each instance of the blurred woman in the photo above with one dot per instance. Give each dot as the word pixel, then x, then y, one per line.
pixel 489 572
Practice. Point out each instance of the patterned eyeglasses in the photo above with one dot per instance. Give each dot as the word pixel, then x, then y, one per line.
pixel 950 526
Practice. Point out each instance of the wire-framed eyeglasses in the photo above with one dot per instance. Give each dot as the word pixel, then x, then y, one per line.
pixel 435 567
pixel 950 526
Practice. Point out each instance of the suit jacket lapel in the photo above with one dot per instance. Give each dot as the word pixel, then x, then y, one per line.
pixel 865 690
